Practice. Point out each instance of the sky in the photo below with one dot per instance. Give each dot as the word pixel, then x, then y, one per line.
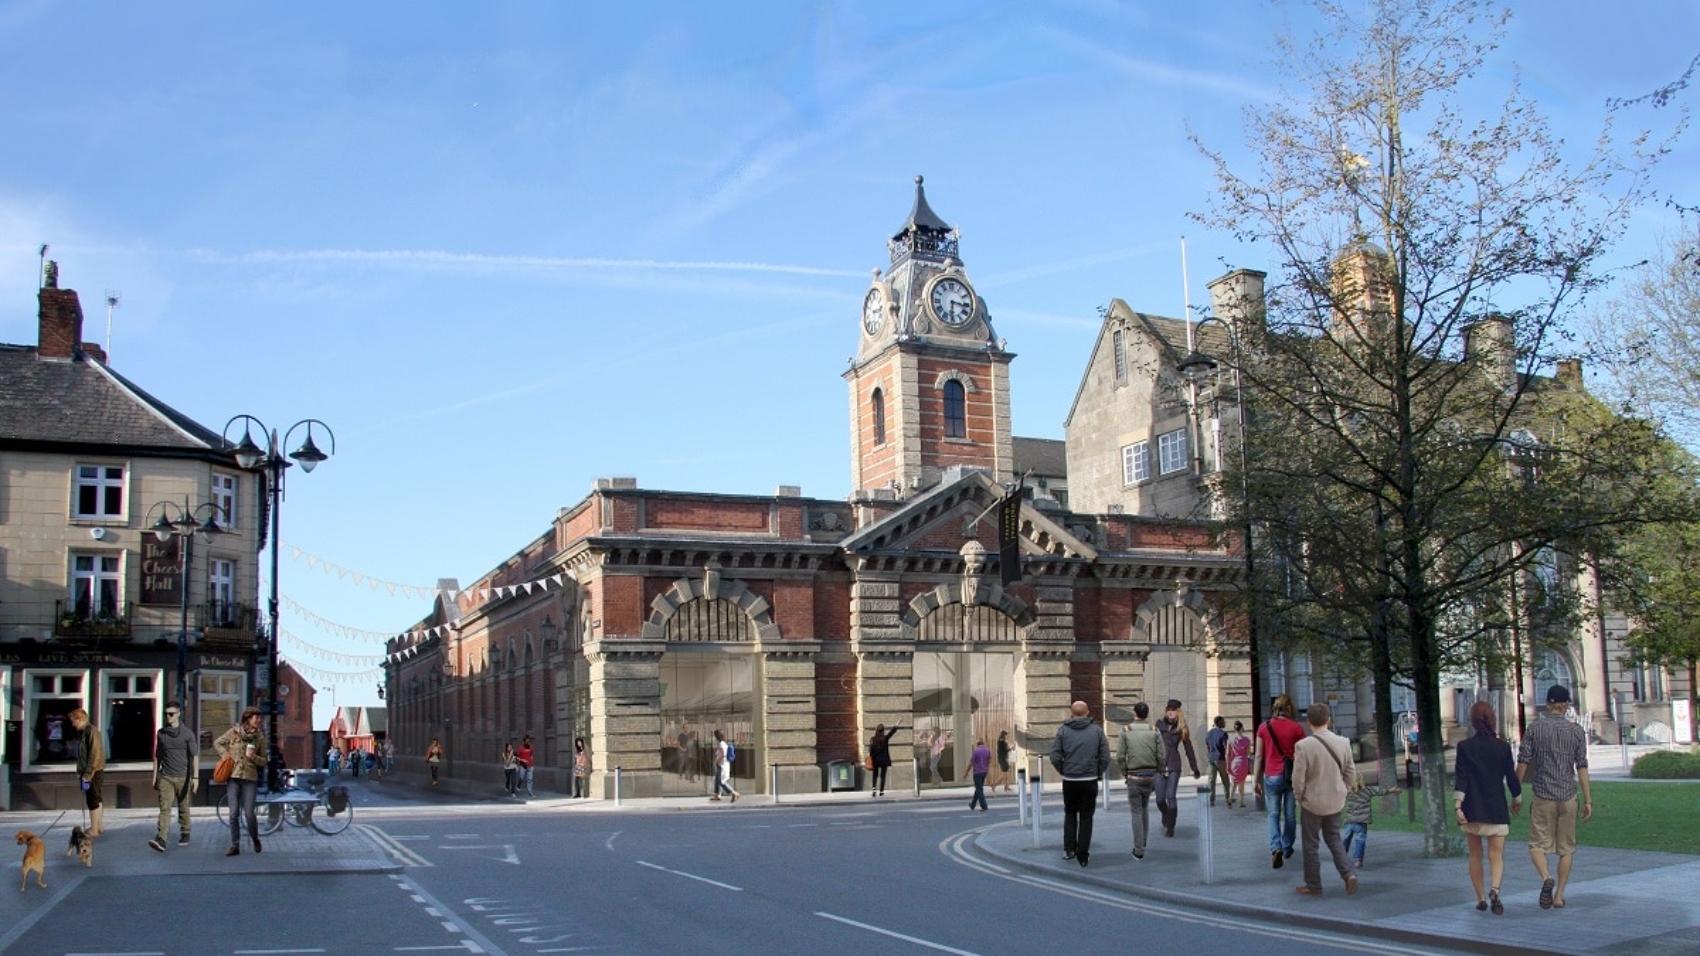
pixel 505 249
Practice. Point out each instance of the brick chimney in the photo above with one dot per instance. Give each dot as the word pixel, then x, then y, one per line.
pixel 61 317
pixel 1570 373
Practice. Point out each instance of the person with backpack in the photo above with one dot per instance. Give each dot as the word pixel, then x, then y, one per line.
pixel 1272 761
pixel 724 753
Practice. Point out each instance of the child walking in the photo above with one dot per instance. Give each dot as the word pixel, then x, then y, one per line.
pixel 1357 816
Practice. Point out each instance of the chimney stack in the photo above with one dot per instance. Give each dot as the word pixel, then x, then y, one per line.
pixel 61 316
pixel 1491 344
pixel 1237 298
pixel 1570 373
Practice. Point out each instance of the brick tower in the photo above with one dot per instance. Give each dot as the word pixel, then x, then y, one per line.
pixel 929 386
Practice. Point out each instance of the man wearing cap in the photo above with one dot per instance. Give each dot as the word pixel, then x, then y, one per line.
pixel 176 765
pixel 1555 751
pixel 1081 754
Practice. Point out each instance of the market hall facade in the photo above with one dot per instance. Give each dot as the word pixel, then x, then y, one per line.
pixel 644 620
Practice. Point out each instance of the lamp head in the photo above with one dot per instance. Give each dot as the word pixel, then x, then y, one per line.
pixel 308 454
pixel 1196 367
pixel 248 454
pixel 163 528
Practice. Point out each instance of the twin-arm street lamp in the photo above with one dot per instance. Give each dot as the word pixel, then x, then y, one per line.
pixel 271 461
pixel 182 522
pixel 1197 368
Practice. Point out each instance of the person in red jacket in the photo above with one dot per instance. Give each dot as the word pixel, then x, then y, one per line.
pixel 1277 738
pixel 523 757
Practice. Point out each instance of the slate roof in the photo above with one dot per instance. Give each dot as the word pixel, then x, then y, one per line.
pixel 1042 456
pixel 82 403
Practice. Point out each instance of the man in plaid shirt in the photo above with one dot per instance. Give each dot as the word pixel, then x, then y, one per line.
pixel 1556 750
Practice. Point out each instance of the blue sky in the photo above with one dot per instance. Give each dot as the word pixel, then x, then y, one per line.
pixel 505 249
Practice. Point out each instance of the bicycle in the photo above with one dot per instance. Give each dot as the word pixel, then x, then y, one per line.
pixel 296 805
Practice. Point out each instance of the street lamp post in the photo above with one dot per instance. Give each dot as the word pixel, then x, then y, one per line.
pixel 184 527
pixel 271 461
pixel 1196 367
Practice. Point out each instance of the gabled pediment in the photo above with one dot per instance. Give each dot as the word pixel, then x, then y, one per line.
pixel 950 514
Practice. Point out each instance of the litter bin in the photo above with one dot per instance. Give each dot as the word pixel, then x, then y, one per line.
pixel 841 775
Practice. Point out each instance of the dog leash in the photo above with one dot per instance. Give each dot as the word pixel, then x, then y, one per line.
pixel 55 823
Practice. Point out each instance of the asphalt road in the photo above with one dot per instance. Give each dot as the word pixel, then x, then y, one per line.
pixel 503 879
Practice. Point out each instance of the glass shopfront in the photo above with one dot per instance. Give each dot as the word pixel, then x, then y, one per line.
pixel 960 698
pixel 702 693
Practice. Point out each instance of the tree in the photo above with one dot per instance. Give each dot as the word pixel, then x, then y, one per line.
pixel 1408 471
pixel 1649 342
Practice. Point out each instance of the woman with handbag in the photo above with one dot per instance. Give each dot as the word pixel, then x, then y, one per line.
pixel 510 768
pixel 581 769
pixel 245 748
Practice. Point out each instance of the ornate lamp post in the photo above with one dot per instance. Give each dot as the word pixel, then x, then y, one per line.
pixel 1196 368
pixel 183 526
pixel 271 461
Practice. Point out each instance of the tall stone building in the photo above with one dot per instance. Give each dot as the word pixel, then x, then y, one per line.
pixel 643 620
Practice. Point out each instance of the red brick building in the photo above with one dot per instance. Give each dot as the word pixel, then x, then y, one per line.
pixel 644 620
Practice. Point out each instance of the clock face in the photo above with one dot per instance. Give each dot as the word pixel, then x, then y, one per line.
pixel 873 312
pixel 953 301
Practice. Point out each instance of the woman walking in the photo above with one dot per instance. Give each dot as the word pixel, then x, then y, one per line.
pixel 1485 770
pixel 1176 735
pixel 581 769
pixel 510 768
pixel 433 757
pixel 1006 759
pixel 879 750
pixel 246 748
pixel 1239 764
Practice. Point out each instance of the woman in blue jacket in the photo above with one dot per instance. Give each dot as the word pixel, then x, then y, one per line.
pixel 1485 769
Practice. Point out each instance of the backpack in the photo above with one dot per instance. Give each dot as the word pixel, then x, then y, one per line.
pixel 731 753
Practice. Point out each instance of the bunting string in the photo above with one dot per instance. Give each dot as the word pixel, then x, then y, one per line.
pixel 335 677
pixel 377 584
pixel 325 653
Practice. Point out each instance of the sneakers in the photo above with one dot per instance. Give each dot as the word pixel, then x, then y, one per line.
pixel 157 845
pixel 714 799
pixel 734 796
pixel 183 839
pixel 1139 854
pixel 233 851
pixel 1308 891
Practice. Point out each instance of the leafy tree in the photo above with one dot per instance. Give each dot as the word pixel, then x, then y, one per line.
pixel 1407 470
pixel 1656 581
pixel 1650 343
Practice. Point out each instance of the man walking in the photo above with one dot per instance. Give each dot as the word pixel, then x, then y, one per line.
pixel 1081 754
pixel 1557 751
pixel 1216 749
pixel 1140 754
pixel 723 755
pixel 1322 776
pixel 176 766
pixel 91 763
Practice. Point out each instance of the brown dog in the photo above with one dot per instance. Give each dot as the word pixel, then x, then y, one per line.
pixel 35 858
pixel 82 846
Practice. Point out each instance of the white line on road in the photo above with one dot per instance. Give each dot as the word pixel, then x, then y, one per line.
pixel 895 935
pixel 609 843
pixel 272 952
pixel 116 954
pixel 693 876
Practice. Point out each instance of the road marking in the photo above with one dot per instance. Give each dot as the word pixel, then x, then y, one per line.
pixel 567 949
pixel 272 952
pixel 429 910
pixel 895 935
pixel 123 954
pixel 403 855
pixel 452 927
pixel 609 843
pixel 693 876
pixel 508 854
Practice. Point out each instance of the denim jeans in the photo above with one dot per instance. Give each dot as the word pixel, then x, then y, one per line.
pixel 979 797
pixel 1355 835
pixel 242 809
pixel 1139 806
pixel 1283 816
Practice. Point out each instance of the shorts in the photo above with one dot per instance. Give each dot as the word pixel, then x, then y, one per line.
pixel 1552 826
pixel 91 796
pixel 1487 829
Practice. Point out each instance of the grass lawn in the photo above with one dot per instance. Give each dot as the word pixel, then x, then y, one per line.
pixel 1653 815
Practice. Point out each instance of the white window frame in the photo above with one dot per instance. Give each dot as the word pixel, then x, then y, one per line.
pixel 224 499
pixel 153 703
pixel 32 697
pixel 104 479
pixel 1171 451
pixel 106 567
pixel 221 587
pixel 219 708
pixel 1136 462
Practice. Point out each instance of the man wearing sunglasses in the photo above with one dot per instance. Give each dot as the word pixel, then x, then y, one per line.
pixel 176 765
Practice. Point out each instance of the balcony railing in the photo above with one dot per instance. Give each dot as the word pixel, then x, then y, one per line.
pixel 83 623
pixel 227 616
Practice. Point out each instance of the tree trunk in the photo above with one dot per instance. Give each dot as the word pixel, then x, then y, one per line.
pixel 1381 679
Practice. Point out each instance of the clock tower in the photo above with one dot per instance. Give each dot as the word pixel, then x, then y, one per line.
pixel 929 386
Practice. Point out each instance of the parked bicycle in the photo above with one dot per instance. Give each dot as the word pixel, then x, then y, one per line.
pixel 311 803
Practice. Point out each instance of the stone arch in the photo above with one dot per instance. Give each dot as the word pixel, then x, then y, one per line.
pixel 988 595
pixel 955 375
pixel 1174 618
pixel 710 587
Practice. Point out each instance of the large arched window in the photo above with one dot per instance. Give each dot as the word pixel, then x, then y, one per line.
pixel 955 410
pixel 877 406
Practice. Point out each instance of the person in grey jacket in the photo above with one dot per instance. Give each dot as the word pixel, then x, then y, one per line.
pixel 1081 754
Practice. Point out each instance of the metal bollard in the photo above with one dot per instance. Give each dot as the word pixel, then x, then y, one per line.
pixel 616 786
pixel 1106 782
pixel 774 776
pixel 915 771
pixel 1038 783
pixel 1021 793
pixel 1206 852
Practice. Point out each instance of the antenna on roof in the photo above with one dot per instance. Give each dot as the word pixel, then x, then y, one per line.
pixel 41 272
pixel 112 297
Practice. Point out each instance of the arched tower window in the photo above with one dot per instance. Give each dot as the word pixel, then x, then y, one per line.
pixel 955 410
pixel 877 406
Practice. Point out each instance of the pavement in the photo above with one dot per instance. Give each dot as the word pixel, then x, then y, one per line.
pixel 1619 902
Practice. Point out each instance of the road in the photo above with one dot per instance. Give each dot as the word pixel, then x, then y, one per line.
pixel 508 880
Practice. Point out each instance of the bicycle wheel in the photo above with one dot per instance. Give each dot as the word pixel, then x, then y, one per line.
pixel 223 806
pixel 327 822
pixel 298 814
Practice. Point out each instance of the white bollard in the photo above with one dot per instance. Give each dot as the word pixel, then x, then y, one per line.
pixel 1021 793
pixel 1206 853
pixel 915 771
pixel 1037 782
pixel 1105 782
pixel 616 786
pixel 773 774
